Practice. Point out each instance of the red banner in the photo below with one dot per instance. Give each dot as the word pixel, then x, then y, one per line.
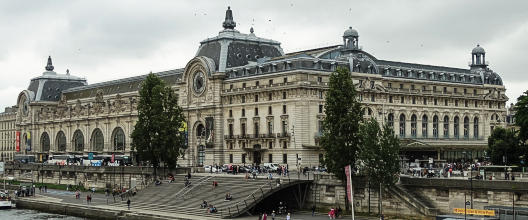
pixel 347 172
pixel 17 141
pixel 113 159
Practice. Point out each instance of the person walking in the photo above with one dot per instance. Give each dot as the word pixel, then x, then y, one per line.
pixel 313 210
pixel 273 215
pixel 264 216
pixel 288 217
pixel 128 203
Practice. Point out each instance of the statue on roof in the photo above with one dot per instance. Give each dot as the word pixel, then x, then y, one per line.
pixel 229 23
pixel 49 66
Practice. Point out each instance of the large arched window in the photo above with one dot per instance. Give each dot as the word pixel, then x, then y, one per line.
pixel 200 131
pixel 466 127
pixel 424 126
pixel 413 125
pixel 45 142
pixel 78 141
pixel 476 127
pixel 402 125
pixel 456 126
pixel 390 120
pixel 61 141
pixel 446 126
pixel 435 126
pixel 118 139
pixel 97 140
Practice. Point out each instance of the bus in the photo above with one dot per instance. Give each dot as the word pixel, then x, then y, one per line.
pixel 61 159
pixel 20 158
pixel 96 161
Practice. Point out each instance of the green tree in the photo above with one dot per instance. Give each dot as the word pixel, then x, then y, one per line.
pixel 521 117
pixel 156 137
pixel 379 153
pixel 340 138
pixel 504 143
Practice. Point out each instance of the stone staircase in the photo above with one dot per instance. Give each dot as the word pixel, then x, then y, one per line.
pixel 415 201
pixel 174 198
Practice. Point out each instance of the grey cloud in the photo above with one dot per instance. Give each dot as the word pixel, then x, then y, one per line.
pixel 105 40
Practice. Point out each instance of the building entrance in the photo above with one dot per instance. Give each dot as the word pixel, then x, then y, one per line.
pixel 201 155
pixel 257 157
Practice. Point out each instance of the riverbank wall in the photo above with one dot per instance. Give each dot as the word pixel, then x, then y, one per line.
pixel 90 212
pixel 89 176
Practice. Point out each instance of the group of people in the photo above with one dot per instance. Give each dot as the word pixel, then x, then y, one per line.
pixel 264 216
pixel 333 213
pixel 210 207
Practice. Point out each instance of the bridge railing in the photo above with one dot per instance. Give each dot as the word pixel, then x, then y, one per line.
pixel 240 206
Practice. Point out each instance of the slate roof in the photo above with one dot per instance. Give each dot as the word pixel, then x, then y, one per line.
pixel 124 85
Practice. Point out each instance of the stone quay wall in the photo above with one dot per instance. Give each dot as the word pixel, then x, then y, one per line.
pixel 436 195
pixel 327 192
pixel 88 176
pixel 447 194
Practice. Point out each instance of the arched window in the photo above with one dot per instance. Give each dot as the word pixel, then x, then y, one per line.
pixel 390 120
pixel 456 127
pixel 200 131
pixel 78 141
pixel 118 139
pixel 446 126
pixel 97 140
pixel 45 142
pixel 435 126
pixel 476 127
pixel 61 141
pixel 413 125
pixel 466 127
pixel 424 126
pixel 402 125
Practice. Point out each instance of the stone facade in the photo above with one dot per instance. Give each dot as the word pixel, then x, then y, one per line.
pixel 246 102
pixel 7 134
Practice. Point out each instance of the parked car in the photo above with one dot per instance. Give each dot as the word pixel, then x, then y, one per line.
pixel 208 169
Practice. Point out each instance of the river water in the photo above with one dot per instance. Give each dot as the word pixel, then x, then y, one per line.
pixel 27 214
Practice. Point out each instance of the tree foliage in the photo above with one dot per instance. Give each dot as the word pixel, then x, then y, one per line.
pixel 521 117
pixel 504 142
pixel 156 137
pixel 379 153
pixel 340 138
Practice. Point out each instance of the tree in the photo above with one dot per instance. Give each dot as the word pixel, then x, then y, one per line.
pixel 156 137
pixel 521 117
pixel 379 153
pixel 504 143
pixel 340 138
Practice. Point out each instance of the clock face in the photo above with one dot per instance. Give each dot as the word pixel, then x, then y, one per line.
pixel 199 82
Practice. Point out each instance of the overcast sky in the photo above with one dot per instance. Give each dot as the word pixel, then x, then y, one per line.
pixel 105 40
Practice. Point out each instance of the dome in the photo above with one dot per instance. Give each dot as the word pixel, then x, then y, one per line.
pixel 478 49
pixel 350 32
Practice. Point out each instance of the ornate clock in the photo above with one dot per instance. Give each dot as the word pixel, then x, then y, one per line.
pixel 199 82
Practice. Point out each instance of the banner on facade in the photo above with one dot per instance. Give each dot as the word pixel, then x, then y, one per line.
pixel 28 141
pixel 1 167
pixel 17 141
pixel 475 211
pixel 113 158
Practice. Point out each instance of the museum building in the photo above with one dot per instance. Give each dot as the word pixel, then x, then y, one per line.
pixel 247 102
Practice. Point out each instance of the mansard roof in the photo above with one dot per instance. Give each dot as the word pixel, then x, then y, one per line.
pixel 124 85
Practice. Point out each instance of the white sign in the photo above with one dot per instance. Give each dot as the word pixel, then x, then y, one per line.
pixel 1 167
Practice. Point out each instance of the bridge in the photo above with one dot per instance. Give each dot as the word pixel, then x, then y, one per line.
pixel 251 196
